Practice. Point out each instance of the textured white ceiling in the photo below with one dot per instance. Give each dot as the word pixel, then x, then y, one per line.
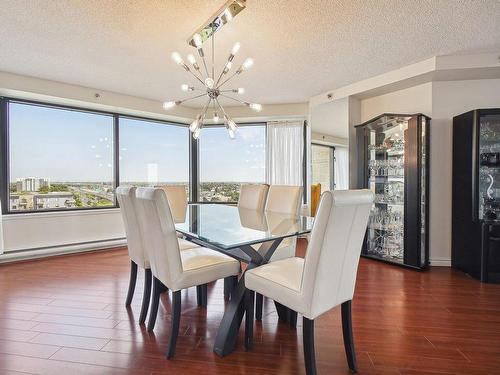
pixel 301 48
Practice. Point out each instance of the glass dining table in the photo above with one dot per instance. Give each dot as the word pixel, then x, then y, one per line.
pixel 247 235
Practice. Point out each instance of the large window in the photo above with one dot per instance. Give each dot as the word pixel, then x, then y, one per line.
pixel 59 158
pixel 322 166
pixel 64 158
pixel 227 163
pixel 153 153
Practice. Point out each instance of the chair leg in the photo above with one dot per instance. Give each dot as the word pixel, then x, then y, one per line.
pixel 131 284
pixel 198 295
pixel 259 300
pixel 348 338
pixel 202 295
pixel 249 309
pixel 153 311
pixel 308 340
pixel 146 296
pixel 176 317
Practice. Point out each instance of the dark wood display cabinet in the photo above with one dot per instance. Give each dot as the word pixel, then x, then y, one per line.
pixel 393 150
pixel 476 194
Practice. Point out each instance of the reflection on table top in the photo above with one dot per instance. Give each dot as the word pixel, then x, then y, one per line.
pixel 230 227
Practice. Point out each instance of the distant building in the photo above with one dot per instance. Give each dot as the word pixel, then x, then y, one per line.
pixel 21 202
pixel 30 202
pixel 31 184
pixel 53 200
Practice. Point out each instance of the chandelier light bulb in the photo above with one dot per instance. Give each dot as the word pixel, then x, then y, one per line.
pixel 195 124
pixel 235 48
pixel 196 133
pixel 228 14
pixel 169 105
pixel 216 117
pixel 231 125
pixel 185 87
pixel 231 133
pixel 247 64
pixel 197 40
pixel 177 58
pixel 191 59
pixel 256 107
pixel 240 90
pixel 209 82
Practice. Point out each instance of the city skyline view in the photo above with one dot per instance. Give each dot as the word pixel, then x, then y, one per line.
pixel 70 146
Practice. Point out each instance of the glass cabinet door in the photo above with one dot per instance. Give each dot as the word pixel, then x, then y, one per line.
pixel 489 167
pixel 385 154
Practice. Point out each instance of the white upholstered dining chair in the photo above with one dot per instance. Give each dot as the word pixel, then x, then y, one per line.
pixel 282 199
pixel 253 196
pixel 126 196
pixel 178 200
pixel 325 278
pixel 138 258
pixel 171 267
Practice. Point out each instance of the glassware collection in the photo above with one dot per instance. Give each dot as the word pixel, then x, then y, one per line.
pixel 386 178
pixel 489 168
pixel 395 156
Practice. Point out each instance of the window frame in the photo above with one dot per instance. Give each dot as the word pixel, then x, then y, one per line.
pixel 5 149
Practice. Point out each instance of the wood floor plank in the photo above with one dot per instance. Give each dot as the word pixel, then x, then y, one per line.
pixel 70 341
pixel 27 349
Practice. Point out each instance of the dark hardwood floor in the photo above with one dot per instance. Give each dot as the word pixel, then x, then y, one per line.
pixel 66 315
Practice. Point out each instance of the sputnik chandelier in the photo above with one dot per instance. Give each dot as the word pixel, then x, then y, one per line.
pixel 213 86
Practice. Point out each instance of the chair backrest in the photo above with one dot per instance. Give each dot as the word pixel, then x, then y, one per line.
pixel 334 249
pixel 160 239
pixel 128 209
pixel 177 199
pixel 284 199
pixel 253 196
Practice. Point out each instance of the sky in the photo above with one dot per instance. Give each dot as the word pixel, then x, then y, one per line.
pixel 72 146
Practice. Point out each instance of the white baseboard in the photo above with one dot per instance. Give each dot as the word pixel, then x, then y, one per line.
pixel 61 250
pixel 440 262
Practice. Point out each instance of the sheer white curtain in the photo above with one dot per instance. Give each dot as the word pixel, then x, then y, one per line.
pixel 285 149
pixel 341 168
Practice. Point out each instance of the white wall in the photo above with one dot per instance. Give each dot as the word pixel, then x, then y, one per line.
pixel 331 118
pixel 54 229
pixel 417 99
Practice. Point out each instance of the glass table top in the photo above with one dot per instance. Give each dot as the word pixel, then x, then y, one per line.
pixel 230 227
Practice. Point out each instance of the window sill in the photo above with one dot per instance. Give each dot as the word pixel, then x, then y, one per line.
pixel 50 214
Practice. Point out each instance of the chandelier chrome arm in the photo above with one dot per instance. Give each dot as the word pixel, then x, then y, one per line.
pixel 202 55
pixel 205 109
pixel 194 97
pixel 195 76
pixel 229 78
pixel 222 109
pixel 255 106
pixel 236 100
